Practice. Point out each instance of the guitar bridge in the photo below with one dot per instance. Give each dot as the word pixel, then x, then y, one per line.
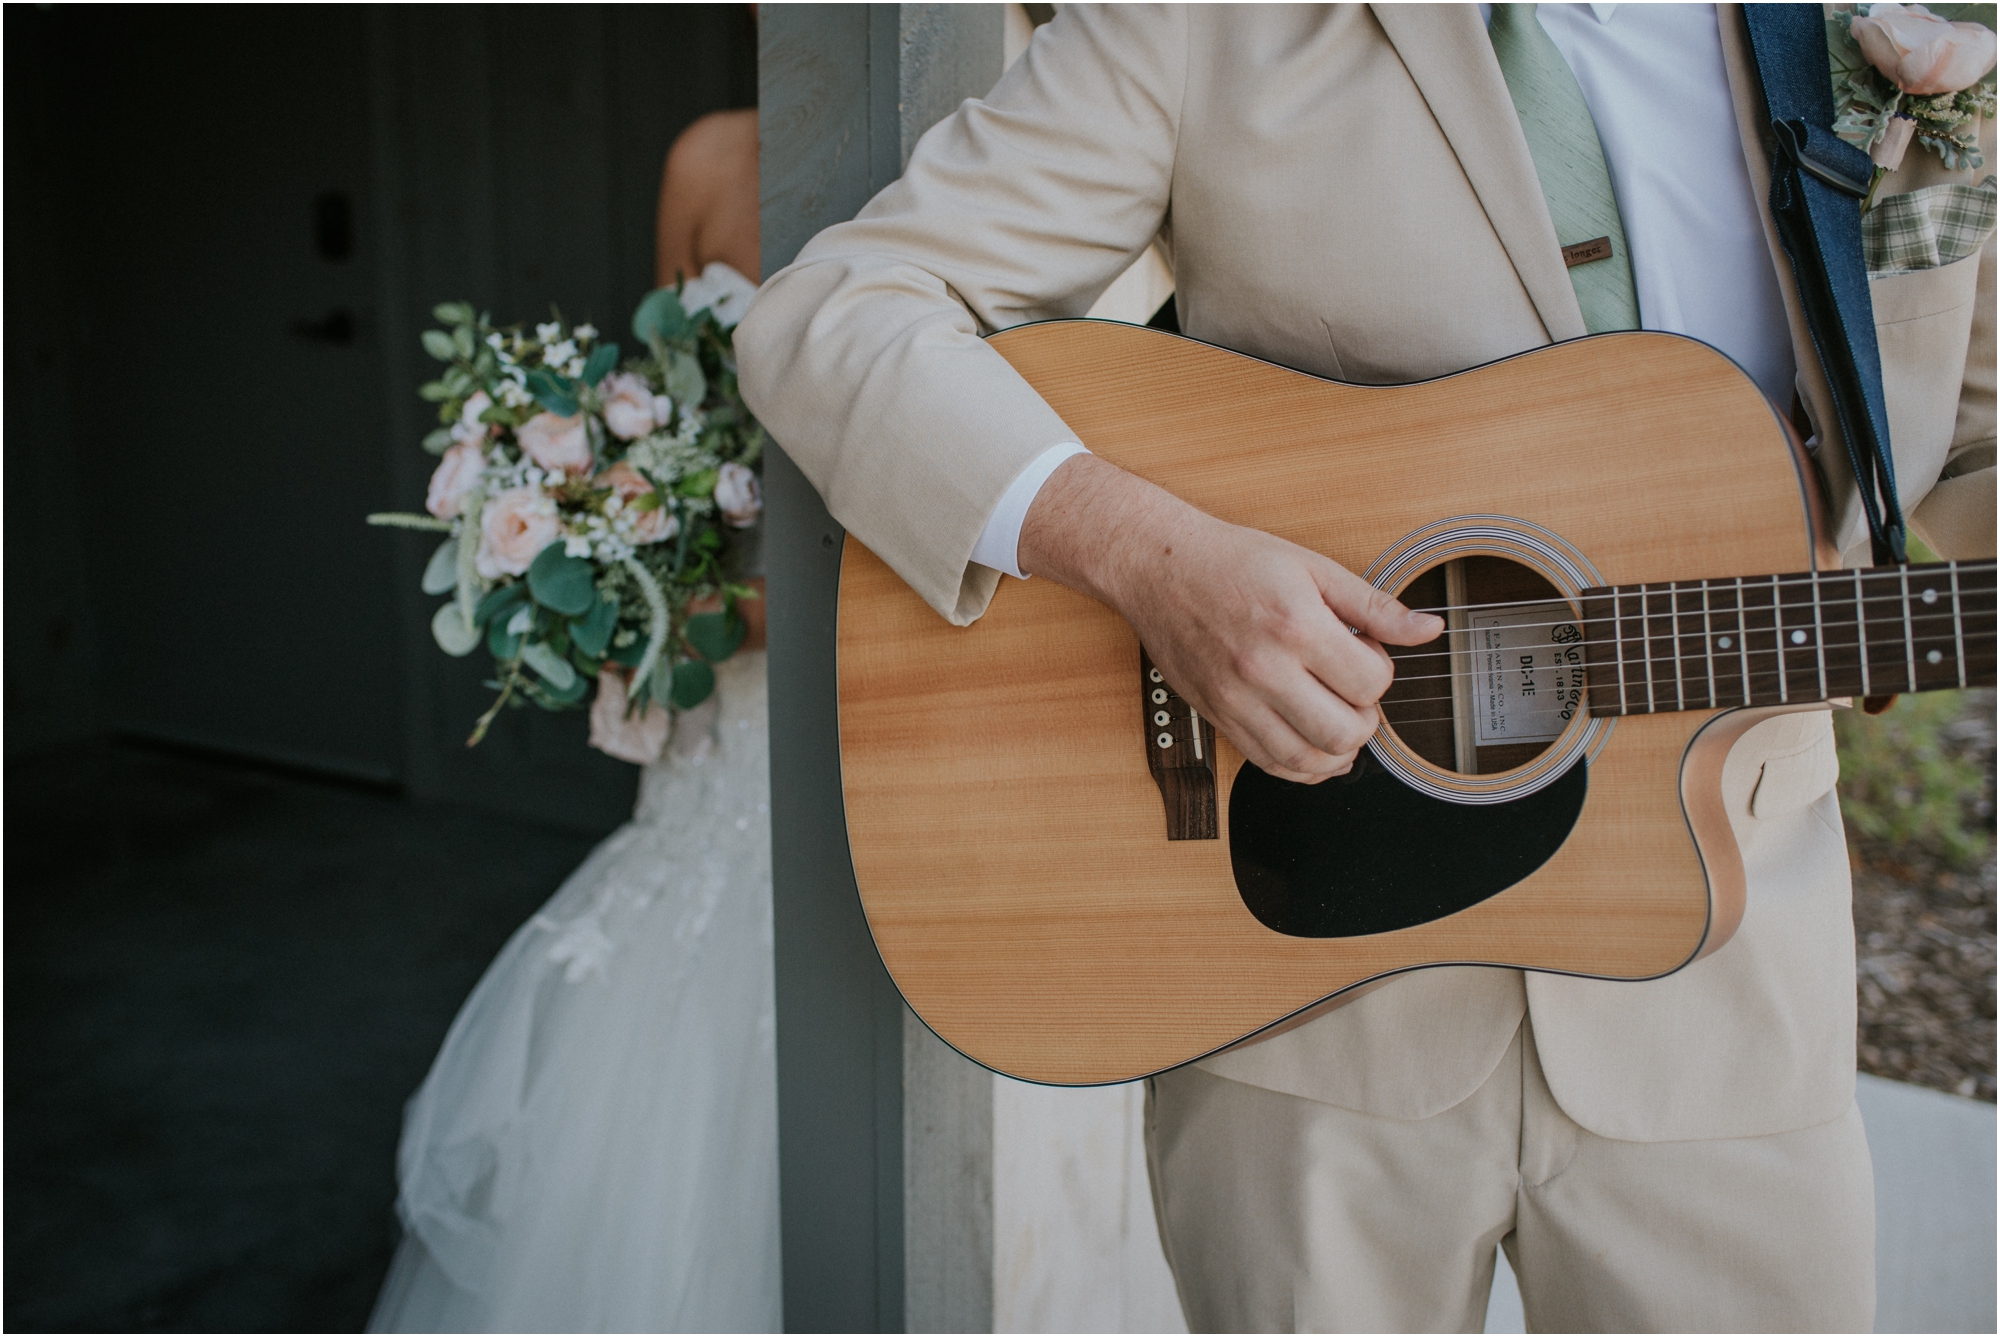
pixel 1180 751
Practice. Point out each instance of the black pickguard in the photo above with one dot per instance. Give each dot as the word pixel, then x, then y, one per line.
pixel 1365 853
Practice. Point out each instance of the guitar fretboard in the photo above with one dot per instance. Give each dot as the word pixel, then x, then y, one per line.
pixel 1775 640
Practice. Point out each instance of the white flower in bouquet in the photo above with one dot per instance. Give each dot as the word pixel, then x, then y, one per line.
pixel 557 444
pixel 468 428
pixel 720 289
pixel 629 406
pixel 518 523
pixel 738 495
pixel 629 486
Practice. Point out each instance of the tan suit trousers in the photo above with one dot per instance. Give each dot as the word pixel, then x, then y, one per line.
pixel 1283 1214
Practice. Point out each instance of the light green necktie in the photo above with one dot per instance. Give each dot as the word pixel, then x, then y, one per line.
pixel 1562 139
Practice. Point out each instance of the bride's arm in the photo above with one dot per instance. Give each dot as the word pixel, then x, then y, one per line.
pixel 708 199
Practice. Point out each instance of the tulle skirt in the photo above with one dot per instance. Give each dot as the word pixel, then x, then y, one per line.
pixel 595 1148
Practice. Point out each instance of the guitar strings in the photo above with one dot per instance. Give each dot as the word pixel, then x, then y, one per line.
pixel 1886 665
pixel 1634 709
pixel 1633 619
pixel 1973 566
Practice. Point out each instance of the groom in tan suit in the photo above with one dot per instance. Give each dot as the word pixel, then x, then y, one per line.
pixel 1347 190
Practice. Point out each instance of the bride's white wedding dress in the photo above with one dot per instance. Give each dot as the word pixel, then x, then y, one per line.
pixel 596 1146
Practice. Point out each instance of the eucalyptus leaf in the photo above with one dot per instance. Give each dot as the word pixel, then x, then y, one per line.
pixel 499 642
pixel 438 441
pixel 438 344
pixel 454 635
pixel 694 682
pixel 661 317
pixel 603 361
pixel 570 695
pixel 715 636
pixel 555 393
pixel 441 573
pixel 461 341
pixel 452 313
pixel 685 381
pixel 434 391
pixel 559 672
pixel 591 633
pixel 497 602
pixel 459 382
pixel 561 582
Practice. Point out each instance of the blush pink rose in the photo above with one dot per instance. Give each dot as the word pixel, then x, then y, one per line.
pixel 738 496
pixel 457 474
pixel 518 524
pixel 1921 53
pixel 630 485
pixel 639 738
pixel 559 445
pixel 628 406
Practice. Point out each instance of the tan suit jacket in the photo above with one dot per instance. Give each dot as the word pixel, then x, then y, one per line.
pixel 1346 190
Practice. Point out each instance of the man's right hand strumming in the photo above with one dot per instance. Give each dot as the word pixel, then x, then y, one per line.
pixel 1252 630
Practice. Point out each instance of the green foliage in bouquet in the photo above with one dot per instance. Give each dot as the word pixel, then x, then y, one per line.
pixel 590 502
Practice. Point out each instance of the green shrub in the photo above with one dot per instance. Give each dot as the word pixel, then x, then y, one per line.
pixel 1914 779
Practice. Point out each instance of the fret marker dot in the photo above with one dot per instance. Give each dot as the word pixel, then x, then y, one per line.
pixel 1798 638
pixel 1935 657
pixel 1930 596
pixel 1724 642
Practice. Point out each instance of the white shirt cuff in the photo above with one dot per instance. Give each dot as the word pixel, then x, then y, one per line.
pixel 999 544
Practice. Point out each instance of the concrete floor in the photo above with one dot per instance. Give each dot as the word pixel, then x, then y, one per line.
pixel 221 986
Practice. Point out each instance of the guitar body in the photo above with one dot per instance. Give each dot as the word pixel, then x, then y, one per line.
pixel 1008 835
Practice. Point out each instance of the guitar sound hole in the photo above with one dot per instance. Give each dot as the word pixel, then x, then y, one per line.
pixel 1504 680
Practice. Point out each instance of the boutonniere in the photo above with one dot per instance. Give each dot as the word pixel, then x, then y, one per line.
pixel 1903 73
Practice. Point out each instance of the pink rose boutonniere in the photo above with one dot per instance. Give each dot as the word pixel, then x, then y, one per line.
pixel 1904 75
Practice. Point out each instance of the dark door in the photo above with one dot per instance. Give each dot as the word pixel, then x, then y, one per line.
pixel 225 376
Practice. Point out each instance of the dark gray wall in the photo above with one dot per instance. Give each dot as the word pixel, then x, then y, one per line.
pixel 186 560
pixel 830 139
pixel 845 90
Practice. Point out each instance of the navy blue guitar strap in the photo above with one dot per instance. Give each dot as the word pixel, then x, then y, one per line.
pixel 1817 180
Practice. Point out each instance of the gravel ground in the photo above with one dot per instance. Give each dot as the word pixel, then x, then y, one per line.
pixel 1923 926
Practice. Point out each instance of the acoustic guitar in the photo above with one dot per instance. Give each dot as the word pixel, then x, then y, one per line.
pixel 1073 879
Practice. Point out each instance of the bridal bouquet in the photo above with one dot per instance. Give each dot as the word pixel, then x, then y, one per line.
pixel 590 503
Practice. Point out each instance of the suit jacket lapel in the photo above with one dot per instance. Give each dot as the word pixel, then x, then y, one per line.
pixel 1445 49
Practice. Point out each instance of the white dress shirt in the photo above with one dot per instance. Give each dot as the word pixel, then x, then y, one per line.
pixel 1653 77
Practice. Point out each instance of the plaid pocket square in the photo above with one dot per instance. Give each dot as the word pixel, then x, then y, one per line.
pixel 1928 228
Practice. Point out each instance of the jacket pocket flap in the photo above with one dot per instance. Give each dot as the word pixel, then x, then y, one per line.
pixel 1792 780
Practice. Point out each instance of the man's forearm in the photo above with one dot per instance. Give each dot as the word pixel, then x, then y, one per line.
pixel 1252 630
